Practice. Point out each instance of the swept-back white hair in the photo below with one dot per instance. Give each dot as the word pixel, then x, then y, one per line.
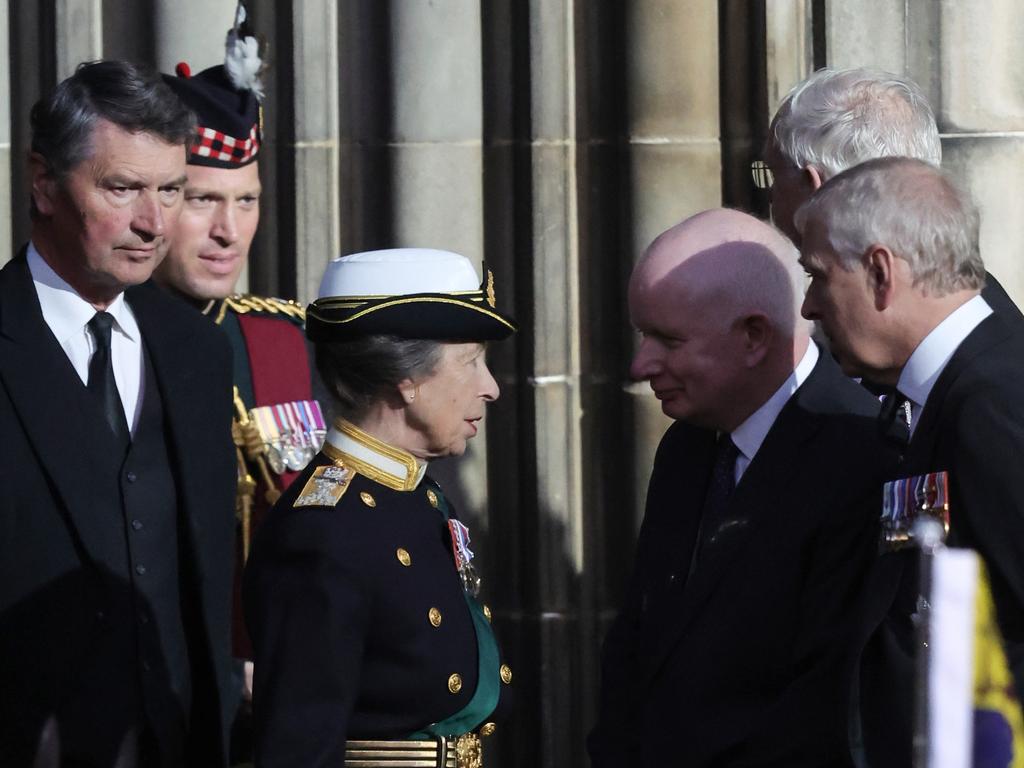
pixel 839 118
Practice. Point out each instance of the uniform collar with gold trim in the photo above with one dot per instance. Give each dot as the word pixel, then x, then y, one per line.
pixel 383 463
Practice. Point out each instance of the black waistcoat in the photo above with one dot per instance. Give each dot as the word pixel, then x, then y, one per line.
pixel 147 637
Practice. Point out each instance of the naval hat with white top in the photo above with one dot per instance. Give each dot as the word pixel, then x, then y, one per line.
pixel 413 293
pixel 227 102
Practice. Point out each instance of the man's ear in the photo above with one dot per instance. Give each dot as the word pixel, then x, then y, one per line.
pixel 814 177
pixel 758 334
pixel 881 267
pixel 44 184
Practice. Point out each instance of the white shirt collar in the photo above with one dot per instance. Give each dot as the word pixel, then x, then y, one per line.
pixel 749 435
pixel 369 456
pixel 927 362
pixel 67 313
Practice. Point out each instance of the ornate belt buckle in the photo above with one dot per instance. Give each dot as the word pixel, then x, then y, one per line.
pixel 468 753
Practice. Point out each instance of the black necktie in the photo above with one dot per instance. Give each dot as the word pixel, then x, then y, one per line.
pixel 894 418
pixel 720 488
pixel 101 379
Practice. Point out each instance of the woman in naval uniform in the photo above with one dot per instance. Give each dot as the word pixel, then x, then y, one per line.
pixel 370 643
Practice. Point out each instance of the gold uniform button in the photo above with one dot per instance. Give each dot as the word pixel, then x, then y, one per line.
pixel 435 617
pixel 487 613
pixel 432 498
pixel 455 683
pixel 506 674
pixel 403 557
pixel 368 500
pixel 488 729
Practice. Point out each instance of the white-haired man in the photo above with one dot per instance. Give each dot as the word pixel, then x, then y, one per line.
pixel 892 249
pixel 731 648
pixel 839 118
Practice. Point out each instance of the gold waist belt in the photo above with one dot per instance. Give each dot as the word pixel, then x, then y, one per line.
pixel 460 752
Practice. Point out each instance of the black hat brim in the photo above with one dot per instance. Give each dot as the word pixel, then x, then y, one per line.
pixel 424 316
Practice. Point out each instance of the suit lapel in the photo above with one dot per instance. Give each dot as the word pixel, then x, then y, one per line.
pixel 754 504
pixel 671 524
pixel 54 408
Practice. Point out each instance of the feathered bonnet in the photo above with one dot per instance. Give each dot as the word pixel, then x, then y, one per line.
pixel 226 99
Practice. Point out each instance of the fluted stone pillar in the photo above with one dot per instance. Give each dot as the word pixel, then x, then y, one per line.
pixel 314 51
pixel 192 31
pixel 552 389
pixel 435 153
pixel 867 33
pixel 790 46
pixel 79 33
pixel 674 145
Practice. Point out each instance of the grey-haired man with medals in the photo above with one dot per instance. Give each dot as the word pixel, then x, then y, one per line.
pixel 896 275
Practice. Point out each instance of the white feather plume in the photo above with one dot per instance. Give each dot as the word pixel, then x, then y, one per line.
pixel 242 58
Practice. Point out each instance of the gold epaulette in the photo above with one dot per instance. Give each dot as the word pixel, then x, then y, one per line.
pixel 244 303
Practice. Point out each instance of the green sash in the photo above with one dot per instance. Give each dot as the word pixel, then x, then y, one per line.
pixel 488 685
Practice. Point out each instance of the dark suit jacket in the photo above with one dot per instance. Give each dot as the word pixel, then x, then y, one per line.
pixel 746 664
pixel 973 427
pixel 1000 301
pixel 61 607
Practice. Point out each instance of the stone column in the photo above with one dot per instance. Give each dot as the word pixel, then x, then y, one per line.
pixel 789 55
pixel 314 54
pixel 192 31
pixel 675 154
pixel 867 33
pixel 551 416
pixel 79 34
pixel 435 153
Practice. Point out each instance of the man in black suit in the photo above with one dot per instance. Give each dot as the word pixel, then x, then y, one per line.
pixel 760 521
pixel 116 484
pixel 892 250
pixel 837 118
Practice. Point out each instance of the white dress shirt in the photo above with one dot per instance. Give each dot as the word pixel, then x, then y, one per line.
pixel 932 355
pixel 68 314
pixel 749 435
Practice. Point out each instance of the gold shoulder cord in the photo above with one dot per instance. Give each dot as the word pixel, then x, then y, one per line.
pixel 244 303
pixel 247 437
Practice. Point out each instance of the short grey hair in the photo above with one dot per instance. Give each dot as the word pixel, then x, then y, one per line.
pixel 839 118
pixel 909 206
pixel 363 371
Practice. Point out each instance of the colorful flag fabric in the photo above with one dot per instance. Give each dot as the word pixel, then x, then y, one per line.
pixel 998 723
pixel 974 712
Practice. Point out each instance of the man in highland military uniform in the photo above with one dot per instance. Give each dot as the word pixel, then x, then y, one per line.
pixel 278 423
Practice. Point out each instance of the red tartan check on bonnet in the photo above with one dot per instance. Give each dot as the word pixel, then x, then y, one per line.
pixel 220 146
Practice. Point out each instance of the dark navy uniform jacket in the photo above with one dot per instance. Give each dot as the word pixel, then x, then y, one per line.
pixel 358 617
